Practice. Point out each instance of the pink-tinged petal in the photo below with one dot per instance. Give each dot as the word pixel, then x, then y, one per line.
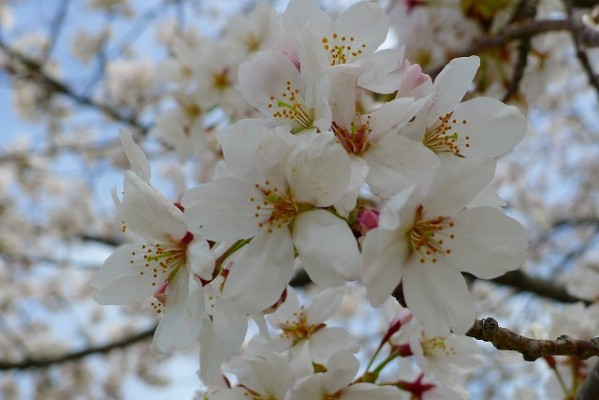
pixel 492 128
pixel 365 23
pixel 184 314
pixel 487 243
pixel 361 391
pixel 224 210
pixel 324 305
pixel 456 184
pixel 136 156
pixel 384 255
pixel 342 368
pixel 200 258
pixel 329 340
pixel 451 85
pixel 230 326
pixel 397 163
pixel 261 271
pixel 327 248
pixel 438 297
pixel 318 170
pixel 149 214
pixel 124 277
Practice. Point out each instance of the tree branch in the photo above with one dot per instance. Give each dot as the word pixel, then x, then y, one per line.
pixel 588 36
pixel 488 330
pixel 35 69
pixel 29 363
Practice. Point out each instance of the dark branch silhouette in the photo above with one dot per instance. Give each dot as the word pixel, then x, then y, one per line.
pixel 30 363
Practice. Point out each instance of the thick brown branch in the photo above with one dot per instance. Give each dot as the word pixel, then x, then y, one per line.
pixel 488 330
pixel 77 355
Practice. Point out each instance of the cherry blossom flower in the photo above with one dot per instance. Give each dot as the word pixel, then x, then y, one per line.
pixel 255 31
pixel 385 160
pixel 347 42
pixel 482 126
pixel 183 127
pixel 336 383
pixel 279 200
pixel 425 241
pixel 304 333
pixel 273 85
pixel 449 358
pixel 165 265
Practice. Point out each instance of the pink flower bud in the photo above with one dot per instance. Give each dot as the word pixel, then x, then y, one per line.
pixel 367 219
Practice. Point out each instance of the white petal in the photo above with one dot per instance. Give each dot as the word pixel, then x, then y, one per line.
pixel 149 214
pixel 438 297
pixel 398 213
pixel 301 12
pixel 269 82
pixel 384 255
pixel 261 271
pixel 230 326
pixel 451 85
pixel 487 242
pixel 341 370
pixel 318 170
pixel 397 162
pixel 493 127
pixel 366 23
pixel 286 311
pixel 324 305
pixel 210 352
pixel 359 171
pixel 329 340
pixel 136 156
pixel 124 277
pixel 360 391
pixel 200 258
pixel 343 99
pixel 488 197
pixel 327 248
pixel 394 114
pixel 183 314
pixel 253 151
pixel 223 210
pixel 456 184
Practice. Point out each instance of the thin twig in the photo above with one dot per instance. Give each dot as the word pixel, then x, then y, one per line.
pixel 35 69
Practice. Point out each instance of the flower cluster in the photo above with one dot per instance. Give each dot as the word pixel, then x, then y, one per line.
pixel 360 167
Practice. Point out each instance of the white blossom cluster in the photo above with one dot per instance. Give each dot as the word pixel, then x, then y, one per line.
pixel 354 166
